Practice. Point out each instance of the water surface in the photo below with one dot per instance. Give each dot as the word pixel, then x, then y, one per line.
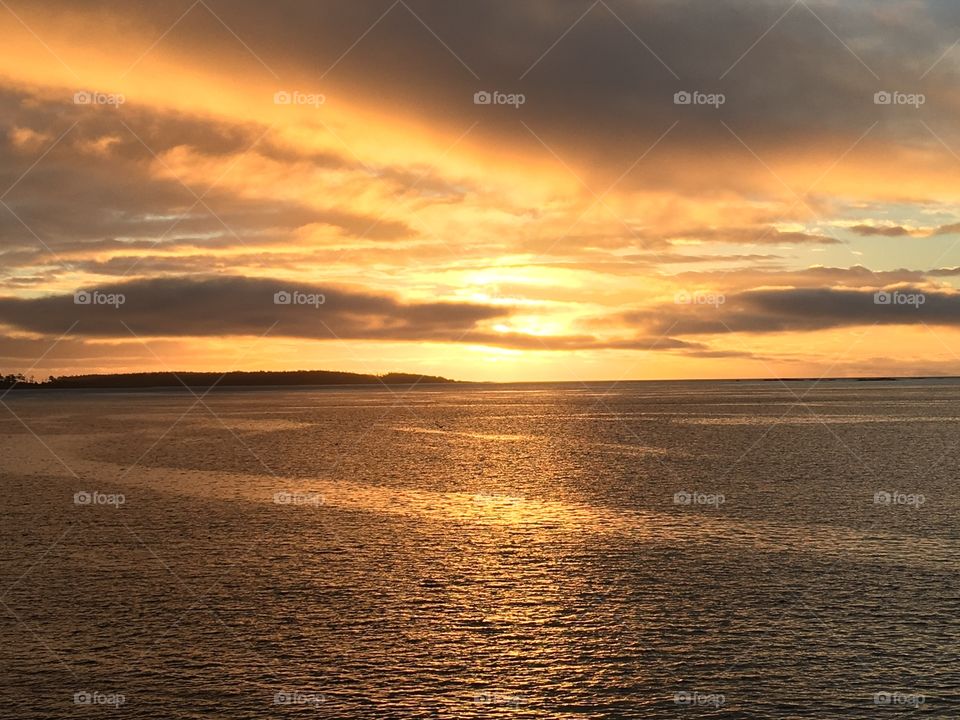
pixel 634 550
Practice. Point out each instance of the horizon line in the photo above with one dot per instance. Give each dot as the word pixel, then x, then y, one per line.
pixel 350 378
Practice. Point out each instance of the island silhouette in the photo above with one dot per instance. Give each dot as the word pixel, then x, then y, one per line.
pixel 236 378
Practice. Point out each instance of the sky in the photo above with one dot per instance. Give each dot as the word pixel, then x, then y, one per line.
pixel 505 191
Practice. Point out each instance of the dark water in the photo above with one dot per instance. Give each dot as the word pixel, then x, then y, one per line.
pixel 645 550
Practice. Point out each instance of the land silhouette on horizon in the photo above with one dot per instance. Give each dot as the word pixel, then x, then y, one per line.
pixel 236 378
pixel 280 378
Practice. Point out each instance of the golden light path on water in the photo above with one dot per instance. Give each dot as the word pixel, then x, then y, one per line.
pixel 540 554
pixel 312 497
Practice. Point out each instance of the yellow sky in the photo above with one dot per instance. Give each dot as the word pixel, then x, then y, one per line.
pixel 597 231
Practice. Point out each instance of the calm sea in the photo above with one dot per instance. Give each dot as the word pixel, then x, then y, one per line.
pixel 635 550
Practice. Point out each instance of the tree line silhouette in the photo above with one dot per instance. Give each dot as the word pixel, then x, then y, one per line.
pixel 238 378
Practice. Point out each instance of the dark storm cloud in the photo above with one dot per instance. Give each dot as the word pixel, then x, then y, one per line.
pixel 881 230
pixel 191 259
pixel 95 185
pixel 649 240
pixel 802 309
pixel 68 352
pixel 950 229
pixel 520 341
pixel 229 306
pixel 598 93
pixel 41 353
pixel 900 231
pixel 139 134
pixel 760 235
pixel 854 277
pixel 603 86
pixel 224 306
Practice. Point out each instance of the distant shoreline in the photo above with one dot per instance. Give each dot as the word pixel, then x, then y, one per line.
pixel 232 379
pixel 265 379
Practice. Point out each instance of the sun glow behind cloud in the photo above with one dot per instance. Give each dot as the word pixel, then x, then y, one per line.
pixel 549 241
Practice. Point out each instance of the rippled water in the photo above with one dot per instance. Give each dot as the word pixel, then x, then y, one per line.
pixel 640 550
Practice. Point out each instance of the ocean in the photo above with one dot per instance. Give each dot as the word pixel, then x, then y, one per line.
pixel 600 550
